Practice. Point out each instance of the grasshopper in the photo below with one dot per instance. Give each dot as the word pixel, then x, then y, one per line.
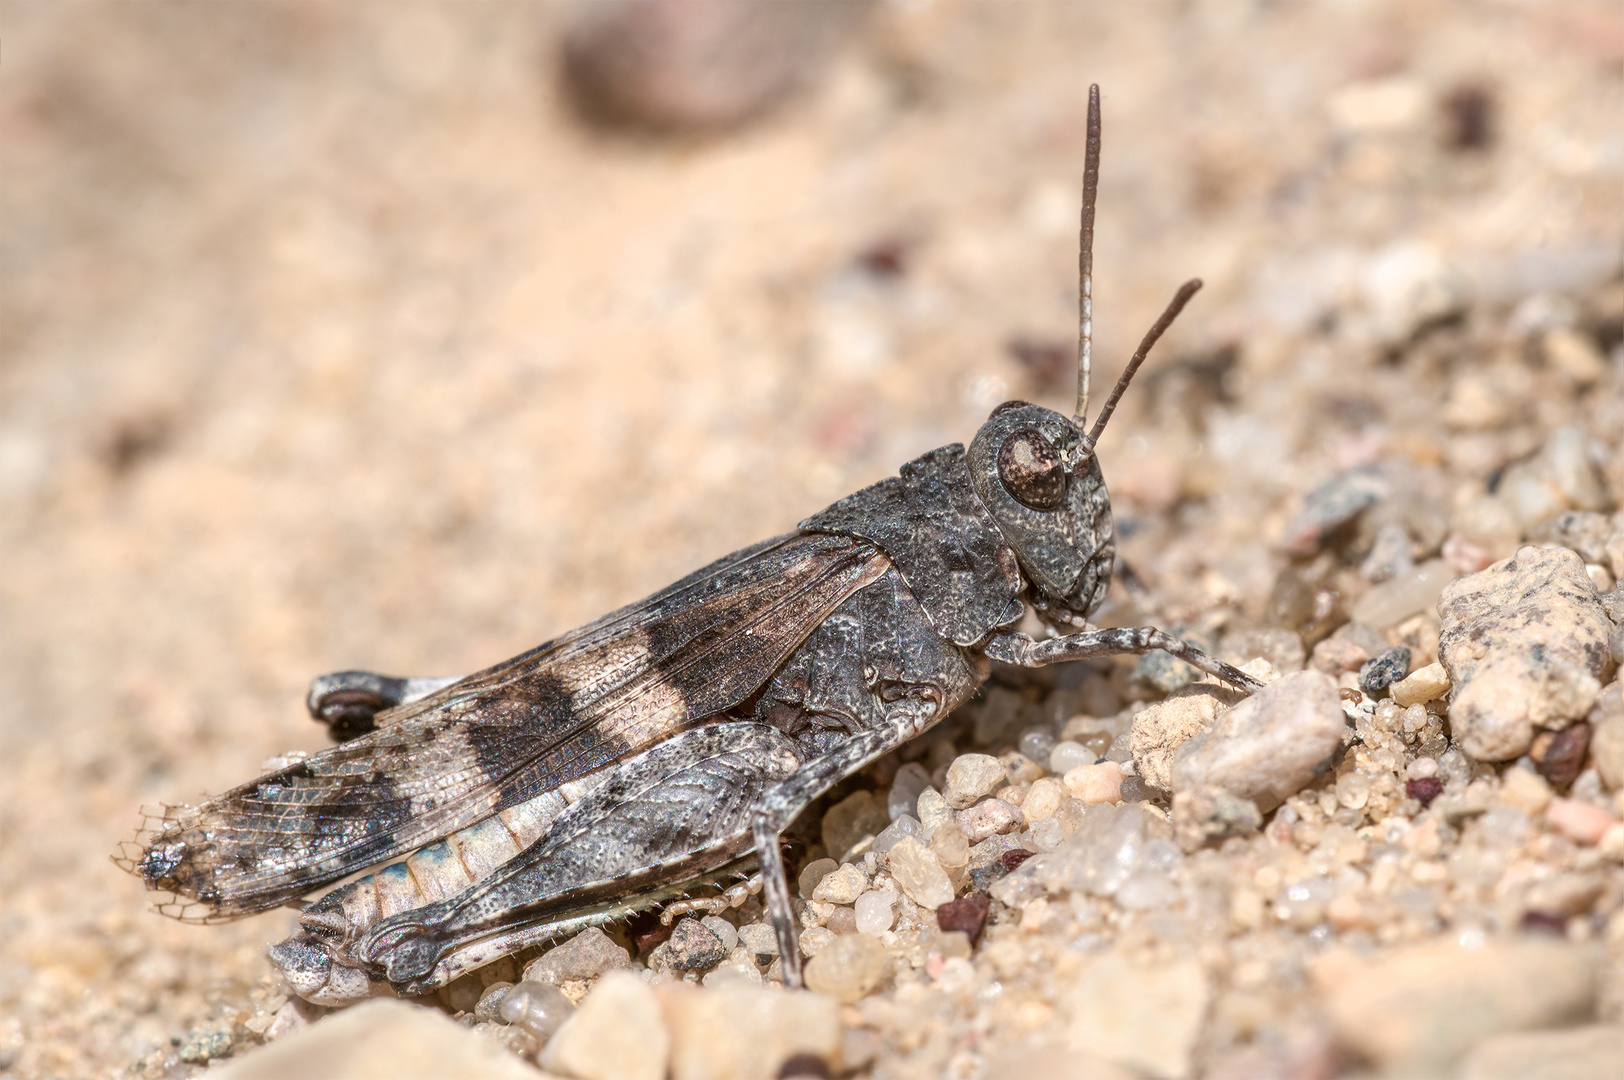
pixel 672 741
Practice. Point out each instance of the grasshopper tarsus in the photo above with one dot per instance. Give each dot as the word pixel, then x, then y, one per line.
pixel 1025 651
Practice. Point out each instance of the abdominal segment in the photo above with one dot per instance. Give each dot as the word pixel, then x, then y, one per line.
pixel 633 835
pixel 436 872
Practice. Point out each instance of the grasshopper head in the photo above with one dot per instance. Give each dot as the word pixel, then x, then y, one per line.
pixel 1036 470
pixel 1049 500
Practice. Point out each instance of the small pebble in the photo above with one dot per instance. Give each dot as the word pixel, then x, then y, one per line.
pixel 489 1009
pixel 1421 768
pixel 725 931
pixel 919 874
pixel 1011 860
pixel 732 975
pixel 990 817
pixel 206 1044
pixel 1093 784
pixel 1524 643
pixel 1579 821
pixel 851 820
pixel 583 957
pixel 812 873
pixel 761 940
pixel 539 1008
pixel 814 939
pixel 842 920
pixel 911 779
pixel 1067 755
pixel 933 810
pixel 1337 654
pixel 905 825
pixel 1331 505
pixel 951 848
pixel 592 1043
pixel 1037 743
pixel 1420 686
pixel 1270 745
pixel 1020 770
pixel 967 915
pixel 841 886
pixel 1204 814
pixel 1560 755
pixel 1384 669
pixel 694 948
pixel 970 777
pixel 1404 594
pixel 1043 799
pixel 1353 790
pixel 848 968
pixel 1424 789
pixel 1526 790
pixel 875 911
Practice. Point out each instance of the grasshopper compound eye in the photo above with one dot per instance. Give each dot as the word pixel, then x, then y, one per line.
pixel 1032 470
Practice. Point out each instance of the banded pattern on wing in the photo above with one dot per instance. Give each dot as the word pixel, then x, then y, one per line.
pixel 507 734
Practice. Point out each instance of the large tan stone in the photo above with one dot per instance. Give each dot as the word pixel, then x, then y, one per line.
pixel 1269 746
pixel 1525 646
pixel 1160 729
pixel 1144 1017
pixel 618 1033
pixel 1415 1011
pixel 1585 1053
pixel 379 1040
pixel 742 1032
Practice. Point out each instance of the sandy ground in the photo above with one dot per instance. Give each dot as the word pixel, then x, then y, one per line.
pixel 331 338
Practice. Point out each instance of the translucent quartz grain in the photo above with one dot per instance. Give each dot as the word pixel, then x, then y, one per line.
pixel 538 1008
pixel 1037 743
pixel 1043 799
pixel 1353 790
pixel 903 825
pixel 725 931
pixel 970 777
pixel 919 874
pixel 1421 768
pixel 1067 755
pixel 875 911
pixel 910 780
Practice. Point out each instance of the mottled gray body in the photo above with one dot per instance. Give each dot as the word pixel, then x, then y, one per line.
pixel 667 743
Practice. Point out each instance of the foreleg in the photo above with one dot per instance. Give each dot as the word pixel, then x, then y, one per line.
pixel 1023 651
pixel 348 702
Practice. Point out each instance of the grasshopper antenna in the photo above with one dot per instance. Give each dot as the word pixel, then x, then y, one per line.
pixel 1085 256
pixel 1180 298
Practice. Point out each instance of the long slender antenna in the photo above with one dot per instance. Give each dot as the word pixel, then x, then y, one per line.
pixel 1085 256
pixel 1180 298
